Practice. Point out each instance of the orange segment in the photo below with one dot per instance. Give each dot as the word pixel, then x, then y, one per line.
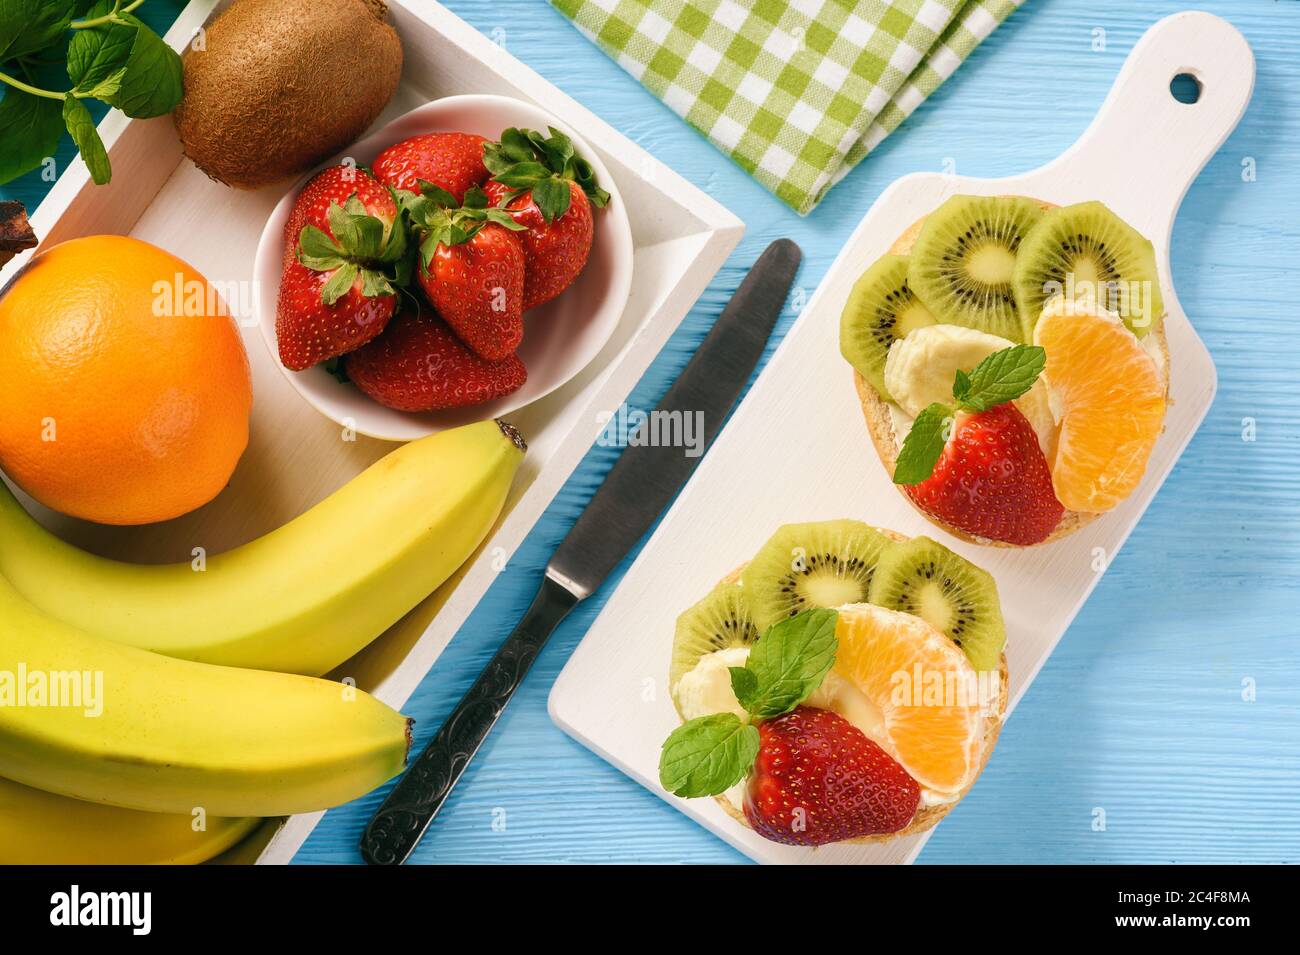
pixel 923 686
pixel 1112 400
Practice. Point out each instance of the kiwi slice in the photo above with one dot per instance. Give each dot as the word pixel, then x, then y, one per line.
pixel 822 564
pixel 964 258
pixel 924 578
pixel 881 309
pixel 719 621
pixel 1088 252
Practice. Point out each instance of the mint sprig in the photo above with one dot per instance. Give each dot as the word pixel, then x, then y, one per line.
pixel 108 54
pixel 923 445
pixel 788 664
pixel 710 754
pixel 1001 377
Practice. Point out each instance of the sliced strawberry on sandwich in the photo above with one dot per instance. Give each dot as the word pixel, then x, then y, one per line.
pixel 818 779
pixel 977 466
pixel 451 161
pixel 471 268
pixel 417 364
pixel 345 253
pixel 551 190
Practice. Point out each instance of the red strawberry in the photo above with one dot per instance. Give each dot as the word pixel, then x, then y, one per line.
pixel 471 269
pixel 554 252
pixel 548 188
pixel 343 245
pixel 417 364
pixel 819 779
pixel 992 480
pixel 451 161
pixel 978 467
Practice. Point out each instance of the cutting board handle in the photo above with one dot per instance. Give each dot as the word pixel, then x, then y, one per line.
pixel 1149 146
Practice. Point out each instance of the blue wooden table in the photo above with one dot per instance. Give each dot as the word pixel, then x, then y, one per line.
pixel 1166 726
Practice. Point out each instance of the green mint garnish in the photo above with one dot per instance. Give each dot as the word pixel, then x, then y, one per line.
pixel 789 663
pixel 923 445
pixel 710 754
pixel 1001 377
pixel 109 55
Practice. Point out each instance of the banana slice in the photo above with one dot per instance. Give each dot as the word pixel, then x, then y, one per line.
pixel 921 367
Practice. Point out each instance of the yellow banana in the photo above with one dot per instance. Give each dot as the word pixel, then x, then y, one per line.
pixel 85 717
pixel 304 597
pixel 40 828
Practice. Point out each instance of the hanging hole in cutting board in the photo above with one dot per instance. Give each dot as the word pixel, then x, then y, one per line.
pixel 1185 88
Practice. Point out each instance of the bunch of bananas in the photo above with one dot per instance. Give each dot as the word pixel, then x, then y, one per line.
pixel 203 709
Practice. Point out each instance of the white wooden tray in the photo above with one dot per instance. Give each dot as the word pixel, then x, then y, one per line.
pixel 797 448
pixel 296 457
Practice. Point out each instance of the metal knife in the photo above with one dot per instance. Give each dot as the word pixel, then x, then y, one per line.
pixel 643 481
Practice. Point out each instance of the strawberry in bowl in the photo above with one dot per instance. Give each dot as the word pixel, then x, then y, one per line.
pixel 472 257
pixel 344 249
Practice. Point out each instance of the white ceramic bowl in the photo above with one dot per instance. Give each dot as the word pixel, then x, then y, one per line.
pixel 560 337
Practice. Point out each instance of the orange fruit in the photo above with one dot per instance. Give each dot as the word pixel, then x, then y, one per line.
pixel 1112 402
pixel 124 383
pixel 924 688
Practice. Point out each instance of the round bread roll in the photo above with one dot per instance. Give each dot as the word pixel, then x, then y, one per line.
pixel 926 816
pixel 880 423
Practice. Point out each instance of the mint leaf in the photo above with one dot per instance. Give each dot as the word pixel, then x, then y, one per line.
pixel 744 684
pixel 923 445
pixel 151 83
pixel 77 119
pixel 27 26
pixel 97 56
pixel 708 755
pixel 30 130
pixel 999 378
pixel 789 663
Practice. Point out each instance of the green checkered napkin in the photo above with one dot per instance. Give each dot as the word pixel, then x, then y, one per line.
pixel 795 91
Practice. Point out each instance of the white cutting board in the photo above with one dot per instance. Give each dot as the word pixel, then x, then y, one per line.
pixel 797 448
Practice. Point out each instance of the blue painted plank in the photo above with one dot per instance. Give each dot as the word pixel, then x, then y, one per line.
pixel 1164 727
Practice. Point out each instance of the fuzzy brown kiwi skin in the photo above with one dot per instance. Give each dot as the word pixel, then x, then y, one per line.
pixel 281 85
pixel 881 429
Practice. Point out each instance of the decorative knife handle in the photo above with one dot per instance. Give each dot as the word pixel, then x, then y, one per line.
pixel 418 795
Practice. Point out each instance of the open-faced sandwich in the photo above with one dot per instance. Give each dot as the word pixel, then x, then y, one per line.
pixel 1012 364
pixel 845 685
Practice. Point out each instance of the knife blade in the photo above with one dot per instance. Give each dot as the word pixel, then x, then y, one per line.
pixel 643 481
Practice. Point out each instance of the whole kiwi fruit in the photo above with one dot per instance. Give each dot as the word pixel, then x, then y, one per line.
pixel 272 87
